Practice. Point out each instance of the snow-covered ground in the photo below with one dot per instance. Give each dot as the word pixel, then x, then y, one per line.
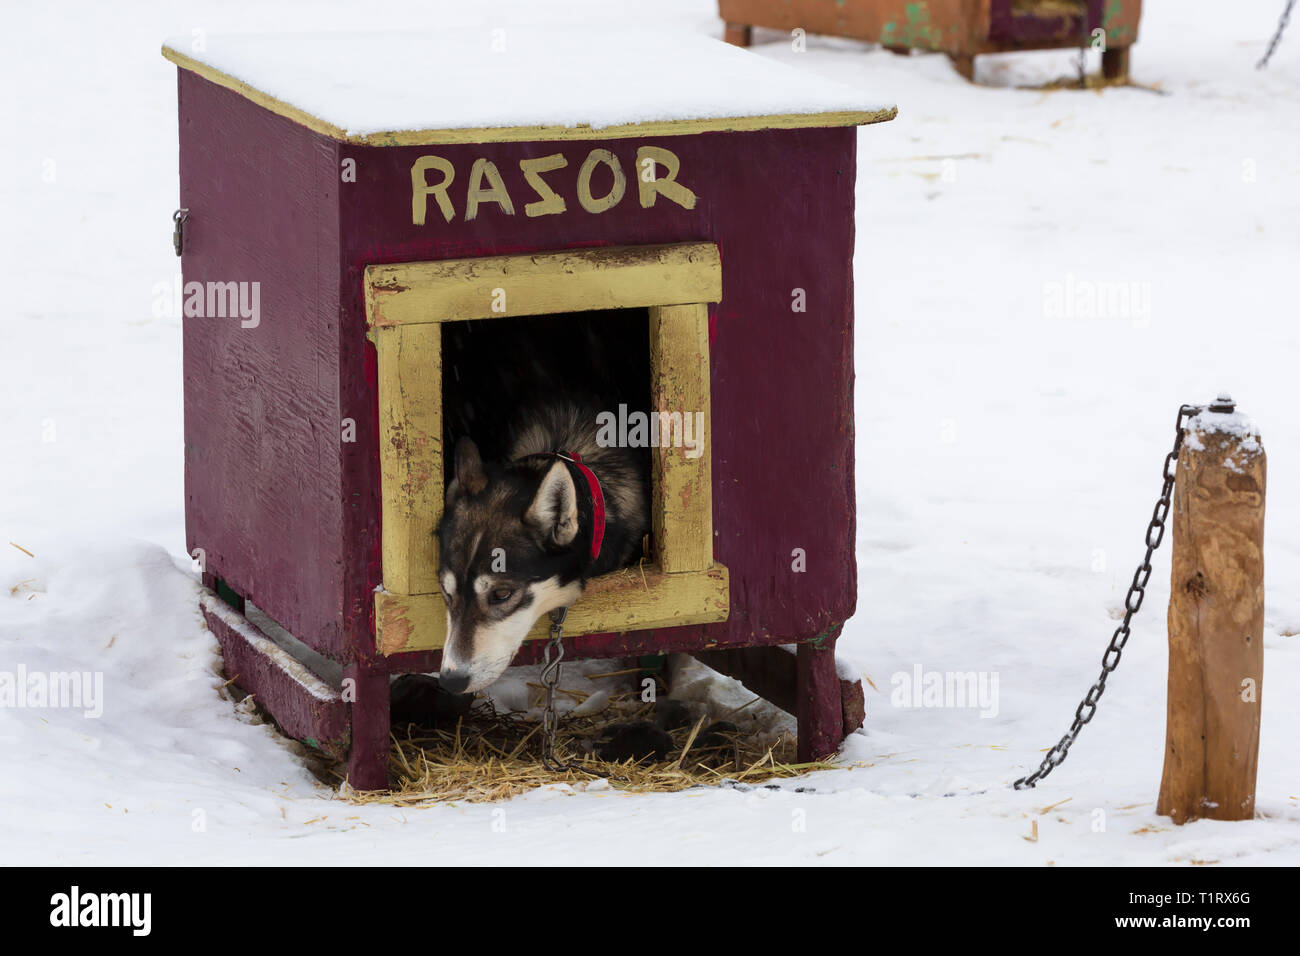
pixel 1009 452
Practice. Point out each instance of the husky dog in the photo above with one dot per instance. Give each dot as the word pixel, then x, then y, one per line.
pixel 520 535
pixel 520 539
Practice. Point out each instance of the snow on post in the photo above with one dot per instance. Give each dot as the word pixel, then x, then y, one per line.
pixel 1216 622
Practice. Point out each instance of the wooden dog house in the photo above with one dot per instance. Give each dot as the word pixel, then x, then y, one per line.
pixel 961 28
pixel 370 188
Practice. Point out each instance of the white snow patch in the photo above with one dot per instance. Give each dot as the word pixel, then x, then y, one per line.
pixel 592 705
pixel 1233 424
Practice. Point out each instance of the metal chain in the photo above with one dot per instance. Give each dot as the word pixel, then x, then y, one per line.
pixel 1277 37
pixel 550 678
pixel 1132 601
pixel 1083 52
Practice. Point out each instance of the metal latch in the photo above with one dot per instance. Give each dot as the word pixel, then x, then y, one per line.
pixel 178 232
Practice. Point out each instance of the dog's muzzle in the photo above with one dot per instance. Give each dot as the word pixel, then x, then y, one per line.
pixel 453 682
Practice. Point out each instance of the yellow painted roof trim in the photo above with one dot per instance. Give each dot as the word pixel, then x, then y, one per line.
pixel 523 134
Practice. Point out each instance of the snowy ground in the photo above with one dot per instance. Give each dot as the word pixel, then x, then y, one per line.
pixel 1008 460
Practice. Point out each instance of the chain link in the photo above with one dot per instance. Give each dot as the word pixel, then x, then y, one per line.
pixel 551 678
pixel 1277 37
pixel 1132 604
pixel 1085 37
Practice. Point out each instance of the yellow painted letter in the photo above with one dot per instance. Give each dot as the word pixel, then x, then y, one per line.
pixel 550 202
pixel 496 191
pixel 594 158
pixel 667 184
pixel 420 189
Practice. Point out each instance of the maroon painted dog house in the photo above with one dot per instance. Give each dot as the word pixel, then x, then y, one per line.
pixel 337 191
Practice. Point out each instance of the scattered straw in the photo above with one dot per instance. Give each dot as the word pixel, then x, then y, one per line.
pixel 490 756
pixel 1093 81
pixel 1052 806
pixel 690 739
pixel 745 706
pixel 629 670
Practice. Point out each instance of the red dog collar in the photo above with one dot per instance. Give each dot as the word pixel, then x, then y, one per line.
pixel 597 497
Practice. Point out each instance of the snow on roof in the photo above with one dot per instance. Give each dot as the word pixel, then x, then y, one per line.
pixel 397 88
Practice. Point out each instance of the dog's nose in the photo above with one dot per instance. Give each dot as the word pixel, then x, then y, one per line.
pixel 453 682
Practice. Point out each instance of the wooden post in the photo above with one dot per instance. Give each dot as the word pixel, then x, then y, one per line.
pixel 1216 623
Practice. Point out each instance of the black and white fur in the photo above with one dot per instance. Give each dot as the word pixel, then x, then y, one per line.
pixel 515 538
pixel 514 541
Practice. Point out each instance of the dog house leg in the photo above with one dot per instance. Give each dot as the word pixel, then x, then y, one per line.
pixel 964 63
pixel 738 34
pixel 818 705
pixel 368 756
pixel 1114 63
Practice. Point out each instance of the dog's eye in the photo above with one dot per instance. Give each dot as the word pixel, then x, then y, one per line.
pixel 500 595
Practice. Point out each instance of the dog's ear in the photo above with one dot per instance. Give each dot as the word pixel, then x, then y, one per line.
pixel 469 467
pixel 554 510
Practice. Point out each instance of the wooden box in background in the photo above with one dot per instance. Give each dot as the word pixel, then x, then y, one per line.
pixel 961 28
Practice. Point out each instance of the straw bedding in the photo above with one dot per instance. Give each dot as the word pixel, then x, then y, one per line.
pixel 491 754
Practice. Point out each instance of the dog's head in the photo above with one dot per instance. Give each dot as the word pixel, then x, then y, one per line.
pixel 508 554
